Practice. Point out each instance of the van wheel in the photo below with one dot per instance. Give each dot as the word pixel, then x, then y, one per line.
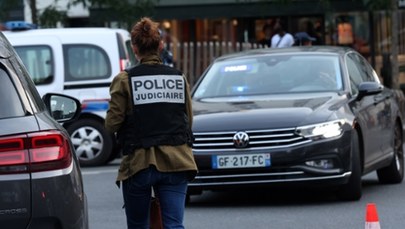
pixel 92 143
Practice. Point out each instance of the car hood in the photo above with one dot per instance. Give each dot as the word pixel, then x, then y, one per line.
pixel 263 112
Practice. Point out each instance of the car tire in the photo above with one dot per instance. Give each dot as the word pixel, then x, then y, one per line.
pixel 92 143
pixel 352 190
pixel 394 173
pixel 188 199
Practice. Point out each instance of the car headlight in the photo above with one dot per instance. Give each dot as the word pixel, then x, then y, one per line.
pixel 321 130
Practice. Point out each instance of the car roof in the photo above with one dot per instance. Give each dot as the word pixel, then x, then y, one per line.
pixel 298 50
pixel 67 31
pixel 5 47
pixel 92 35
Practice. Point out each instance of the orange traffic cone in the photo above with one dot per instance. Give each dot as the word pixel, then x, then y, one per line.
pixel 372 221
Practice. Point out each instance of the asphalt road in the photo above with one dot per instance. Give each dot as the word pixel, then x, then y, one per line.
pixel 269 208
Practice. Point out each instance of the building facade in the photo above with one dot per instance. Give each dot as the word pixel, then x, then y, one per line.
pixel 333 22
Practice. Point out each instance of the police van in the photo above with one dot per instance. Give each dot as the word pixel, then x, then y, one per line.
pixel 80 62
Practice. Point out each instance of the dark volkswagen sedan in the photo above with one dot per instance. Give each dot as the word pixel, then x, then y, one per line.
pixel 40 181
pixel 310 116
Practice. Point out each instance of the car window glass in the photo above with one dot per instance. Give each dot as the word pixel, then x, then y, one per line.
pixel 125 51
pixel 132 59
pixel 38 62
pixel 269 75
pixel 355 75
pixel 9 98
pixel 86 62
pixel 363 67
pixel 314 73
pixel 370 74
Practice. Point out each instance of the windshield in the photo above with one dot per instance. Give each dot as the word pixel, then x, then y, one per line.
pixel 261 75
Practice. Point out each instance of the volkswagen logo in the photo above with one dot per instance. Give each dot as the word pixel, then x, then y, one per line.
pixel 241 140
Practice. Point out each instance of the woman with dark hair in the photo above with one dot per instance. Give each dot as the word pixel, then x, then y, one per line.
pixel 267 32
pixel 150 110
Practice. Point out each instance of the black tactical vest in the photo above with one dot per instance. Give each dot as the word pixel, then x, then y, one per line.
pixel 159 116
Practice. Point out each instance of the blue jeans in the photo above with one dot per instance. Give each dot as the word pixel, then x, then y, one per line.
pixel 171 188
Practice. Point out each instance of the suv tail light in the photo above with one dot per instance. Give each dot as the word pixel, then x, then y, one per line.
pixel 34 152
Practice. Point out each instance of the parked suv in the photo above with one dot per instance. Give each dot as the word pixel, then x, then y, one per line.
pixel 40 181
pixel 80 62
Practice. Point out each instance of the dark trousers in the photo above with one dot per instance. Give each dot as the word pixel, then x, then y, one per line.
pixel 171 188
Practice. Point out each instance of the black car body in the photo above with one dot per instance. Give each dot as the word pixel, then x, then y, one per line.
pixel 40 181
pixel 303 116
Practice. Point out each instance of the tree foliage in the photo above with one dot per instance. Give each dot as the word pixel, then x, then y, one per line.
pixel 123 11
pixel 50 16
pixel 377 4
pixel 370 4
pixel 6 7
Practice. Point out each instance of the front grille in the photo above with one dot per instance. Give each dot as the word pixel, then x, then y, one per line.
pixel 258 139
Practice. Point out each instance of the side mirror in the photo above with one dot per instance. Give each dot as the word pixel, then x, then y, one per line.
pixel 369 88
pixel 62 108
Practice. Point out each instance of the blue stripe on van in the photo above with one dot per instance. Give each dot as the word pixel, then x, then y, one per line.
pixel 94 105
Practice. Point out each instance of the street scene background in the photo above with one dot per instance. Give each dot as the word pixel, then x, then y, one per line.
pixel 258 208
pixel 198 31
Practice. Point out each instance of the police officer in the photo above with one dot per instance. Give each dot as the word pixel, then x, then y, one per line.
pixel 150 110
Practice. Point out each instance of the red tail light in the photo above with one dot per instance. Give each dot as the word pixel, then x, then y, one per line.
pixel 34 152
pixel 123 64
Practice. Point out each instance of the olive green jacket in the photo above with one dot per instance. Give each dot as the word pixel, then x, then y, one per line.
pixel 165 158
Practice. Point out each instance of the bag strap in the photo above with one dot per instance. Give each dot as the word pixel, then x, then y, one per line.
pixel 281 38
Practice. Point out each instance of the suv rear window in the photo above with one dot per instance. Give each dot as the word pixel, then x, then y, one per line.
pixel 86 62
pixel 9 98
pixel 38 61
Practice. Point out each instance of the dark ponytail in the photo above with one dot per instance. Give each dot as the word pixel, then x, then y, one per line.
pixel 146 36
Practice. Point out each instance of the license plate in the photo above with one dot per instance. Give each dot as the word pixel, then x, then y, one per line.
pixel 241 161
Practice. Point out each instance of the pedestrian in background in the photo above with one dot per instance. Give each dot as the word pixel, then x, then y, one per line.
pixel 267 32
pixel 315 30
pixel 303 39
pixel 281 38
pixel 165 54
pixel 150 110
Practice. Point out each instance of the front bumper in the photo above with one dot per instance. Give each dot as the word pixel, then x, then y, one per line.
pixel 288 166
